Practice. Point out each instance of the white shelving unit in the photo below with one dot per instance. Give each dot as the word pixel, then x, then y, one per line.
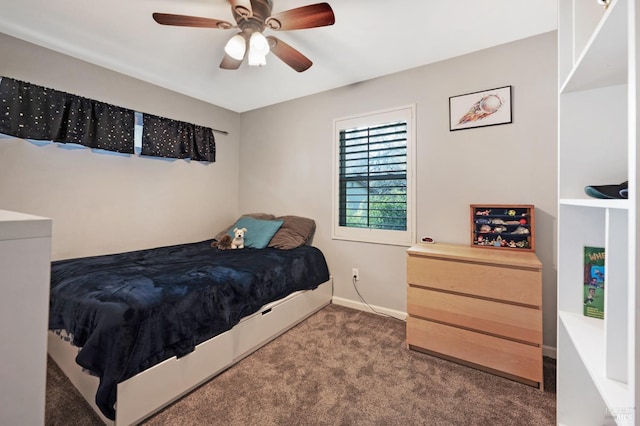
pixel 598 74
pixel 25 265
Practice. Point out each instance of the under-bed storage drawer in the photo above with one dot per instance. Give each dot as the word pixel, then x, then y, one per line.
pixel 479 306
pixel 275 318
pixel 501 355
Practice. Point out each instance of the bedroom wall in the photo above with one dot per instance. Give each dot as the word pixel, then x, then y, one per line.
pixel 287 159
pixel 104 203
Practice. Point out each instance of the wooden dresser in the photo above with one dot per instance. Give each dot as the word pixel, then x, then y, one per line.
pixel 478 306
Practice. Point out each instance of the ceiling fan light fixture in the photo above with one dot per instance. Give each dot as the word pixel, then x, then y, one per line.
pixel 236 47
pixel 258 49
pixel 256 59
pixel 254 16
pixel 258 44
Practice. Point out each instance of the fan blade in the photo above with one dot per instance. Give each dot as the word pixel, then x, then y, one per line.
pixel 289 55
pixel 242 7
pixel 228 63
pixel 190 21
pixel 314 15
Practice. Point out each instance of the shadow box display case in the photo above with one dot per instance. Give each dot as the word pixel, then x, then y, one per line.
pixel 503 226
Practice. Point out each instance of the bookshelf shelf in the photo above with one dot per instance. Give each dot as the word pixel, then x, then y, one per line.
pixel 581 331
pixel 597 204
pixel 598 64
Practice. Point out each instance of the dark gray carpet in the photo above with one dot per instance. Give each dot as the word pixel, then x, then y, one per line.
pixel 339 367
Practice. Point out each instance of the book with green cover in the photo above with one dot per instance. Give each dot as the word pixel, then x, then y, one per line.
pixel 594 278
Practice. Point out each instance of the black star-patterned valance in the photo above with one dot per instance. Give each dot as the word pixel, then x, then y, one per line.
pixel 164 137
pixel 29 111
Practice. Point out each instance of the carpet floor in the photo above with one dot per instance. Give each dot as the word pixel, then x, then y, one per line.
pixel 339 367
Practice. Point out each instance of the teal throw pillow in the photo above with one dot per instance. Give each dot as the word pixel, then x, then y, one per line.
pixel 259 232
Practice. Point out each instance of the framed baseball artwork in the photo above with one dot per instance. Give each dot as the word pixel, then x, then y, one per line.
pixel 480 109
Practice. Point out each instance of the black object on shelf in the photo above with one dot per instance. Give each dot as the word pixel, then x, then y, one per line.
pixel 607 191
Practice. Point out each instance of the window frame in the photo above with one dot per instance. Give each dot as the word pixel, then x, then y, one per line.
pixel 368 235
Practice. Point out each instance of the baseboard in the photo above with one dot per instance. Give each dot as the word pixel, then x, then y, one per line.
pixel 361 306
pixel 548 351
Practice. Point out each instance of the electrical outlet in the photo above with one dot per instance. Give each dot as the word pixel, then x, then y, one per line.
pixel 355 274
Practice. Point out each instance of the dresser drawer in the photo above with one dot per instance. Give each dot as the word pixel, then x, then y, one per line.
pixel 512 284
pixel 502 319
pixel 500 355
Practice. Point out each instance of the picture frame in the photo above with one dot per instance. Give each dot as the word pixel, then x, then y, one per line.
pixel 480 109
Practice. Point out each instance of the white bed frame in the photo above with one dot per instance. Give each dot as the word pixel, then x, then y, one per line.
pixel 155 388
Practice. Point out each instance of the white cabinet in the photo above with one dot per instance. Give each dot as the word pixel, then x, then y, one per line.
pixel 598 123
pixel 25 264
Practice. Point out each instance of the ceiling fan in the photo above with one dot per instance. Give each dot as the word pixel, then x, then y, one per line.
pixel 252 18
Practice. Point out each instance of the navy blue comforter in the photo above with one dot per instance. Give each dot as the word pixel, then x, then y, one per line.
pixel 130 311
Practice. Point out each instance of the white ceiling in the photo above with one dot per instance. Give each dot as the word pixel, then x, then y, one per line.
pixel 370 38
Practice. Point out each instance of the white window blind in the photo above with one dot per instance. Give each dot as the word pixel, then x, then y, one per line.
pixel 373 188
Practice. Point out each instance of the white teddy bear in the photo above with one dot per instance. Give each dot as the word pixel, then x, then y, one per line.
pixel 238 238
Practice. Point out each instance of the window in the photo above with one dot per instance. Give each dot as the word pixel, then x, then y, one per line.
pixel 374 177
pixel 137 133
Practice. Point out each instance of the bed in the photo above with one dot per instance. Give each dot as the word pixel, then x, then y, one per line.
pixel 151 325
